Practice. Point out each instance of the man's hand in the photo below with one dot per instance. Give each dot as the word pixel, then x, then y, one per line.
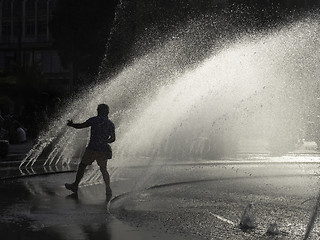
pixel 70 123
pixel 112 137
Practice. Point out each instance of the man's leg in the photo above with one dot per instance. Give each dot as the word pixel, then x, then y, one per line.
pixel 106 178
pixel 87 159
pixel 80 172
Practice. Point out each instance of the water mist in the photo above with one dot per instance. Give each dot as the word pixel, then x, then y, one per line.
pixel 259 87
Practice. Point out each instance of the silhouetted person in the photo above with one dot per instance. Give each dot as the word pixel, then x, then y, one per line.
pixel 18 135
pixel 98 149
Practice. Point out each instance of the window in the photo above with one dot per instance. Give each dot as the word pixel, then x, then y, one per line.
pixel 27 58
pixel 6 8
pixel 38 58
pixel 30 29
pixel 17 9
pixel 30 8
pixel 42 28
pixel 42 8
pixel 17 30
pixel 6 29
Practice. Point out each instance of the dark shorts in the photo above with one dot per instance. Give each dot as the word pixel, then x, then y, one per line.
pixel 90 156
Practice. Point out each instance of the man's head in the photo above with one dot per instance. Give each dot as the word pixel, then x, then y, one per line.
pixel 103 109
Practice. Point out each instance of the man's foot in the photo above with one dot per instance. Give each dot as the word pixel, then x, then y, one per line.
pixel 72 187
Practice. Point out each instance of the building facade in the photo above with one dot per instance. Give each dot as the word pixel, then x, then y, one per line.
pixel 25 40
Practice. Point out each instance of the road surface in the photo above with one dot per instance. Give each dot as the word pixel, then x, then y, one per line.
pixel 172 200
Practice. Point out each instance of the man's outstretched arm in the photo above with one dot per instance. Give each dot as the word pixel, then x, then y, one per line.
pixel 77 125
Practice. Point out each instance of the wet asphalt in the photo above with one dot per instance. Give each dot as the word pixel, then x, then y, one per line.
pixel 40 208
pixel 189 200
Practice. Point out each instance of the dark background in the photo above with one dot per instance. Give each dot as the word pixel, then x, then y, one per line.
pixel 94 40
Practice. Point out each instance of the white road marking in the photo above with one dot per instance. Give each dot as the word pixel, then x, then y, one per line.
pixel 223 219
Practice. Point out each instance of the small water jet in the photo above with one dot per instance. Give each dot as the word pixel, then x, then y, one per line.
pixel 248 218
pixel 273 229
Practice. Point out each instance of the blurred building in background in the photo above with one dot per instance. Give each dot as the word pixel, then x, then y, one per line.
pixel 27 52
pixel 30 65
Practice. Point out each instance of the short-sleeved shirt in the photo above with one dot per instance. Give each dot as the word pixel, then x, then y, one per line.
pixel 101 129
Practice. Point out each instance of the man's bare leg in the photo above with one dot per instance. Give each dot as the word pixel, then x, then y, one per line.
pixel 106 179
pixel 80 172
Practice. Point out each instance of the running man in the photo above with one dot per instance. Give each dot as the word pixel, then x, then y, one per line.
pixel 98 149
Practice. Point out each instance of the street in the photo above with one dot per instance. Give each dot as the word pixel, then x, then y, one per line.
pixel 175 200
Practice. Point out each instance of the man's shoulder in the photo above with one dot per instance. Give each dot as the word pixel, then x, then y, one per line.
pixel 91 121
pixel 99 120
pixel 110 123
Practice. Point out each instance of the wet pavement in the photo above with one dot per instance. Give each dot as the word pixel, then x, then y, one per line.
pixel 209 199
pixel 202 200
pixel 40 208
pixel 167 200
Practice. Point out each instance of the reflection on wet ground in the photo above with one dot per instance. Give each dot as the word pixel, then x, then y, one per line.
pixel 11 170
pixel 202 200
pixel 40 208
pixel 97 232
